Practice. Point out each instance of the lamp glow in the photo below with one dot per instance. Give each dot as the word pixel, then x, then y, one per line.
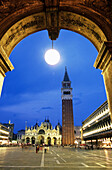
pixel 52 56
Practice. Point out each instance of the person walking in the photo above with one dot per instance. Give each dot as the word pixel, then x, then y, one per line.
pixel 37 148
pixel 22 146
pixel 45 148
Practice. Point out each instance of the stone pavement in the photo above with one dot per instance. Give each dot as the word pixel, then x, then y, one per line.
pixel 14 158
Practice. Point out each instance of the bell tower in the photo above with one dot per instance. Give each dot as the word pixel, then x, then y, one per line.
pixel 67 111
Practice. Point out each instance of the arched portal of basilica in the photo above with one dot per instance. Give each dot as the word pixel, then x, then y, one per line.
pixel 90 18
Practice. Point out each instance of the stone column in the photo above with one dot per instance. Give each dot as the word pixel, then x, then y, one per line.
pixel 1 82
pixel 104 63
pixel 5 66
pixel 52 141
pixel 108 85
pixel 82 135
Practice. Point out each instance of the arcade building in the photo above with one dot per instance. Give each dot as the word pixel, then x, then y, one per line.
pixel 4 134
pixel 43 134
pixel 97 128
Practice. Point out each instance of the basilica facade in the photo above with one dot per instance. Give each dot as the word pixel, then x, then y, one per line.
pixel 43 134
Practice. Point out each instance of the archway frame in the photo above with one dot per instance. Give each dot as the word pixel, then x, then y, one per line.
pixel 33 140
pixel 92 19
pixel 49 140
pixel 28 140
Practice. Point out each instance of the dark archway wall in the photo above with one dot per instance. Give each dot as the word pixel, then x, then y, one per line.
pixel 20 18
pixel 37 22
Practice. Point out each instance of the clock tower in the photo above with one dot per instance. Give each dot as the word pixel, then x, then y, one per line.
pixel 67 111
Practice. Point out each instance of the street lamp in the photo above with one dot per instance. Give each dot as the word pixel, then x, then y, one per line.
pixel 52 56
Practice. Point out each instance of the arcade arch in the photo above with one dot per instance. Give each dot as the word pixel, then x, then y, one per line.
pixel 33 140
pixel 27 140
pixel 49 141
pixel 41 139
pixel 54 141
pixel 41 131
pixel 91 19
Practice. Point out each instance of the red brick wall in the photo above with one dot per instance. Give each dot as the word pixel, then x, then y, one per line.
pixel 67 122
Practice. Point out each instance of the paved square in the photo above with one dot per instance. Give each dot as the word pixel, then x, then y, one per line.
pixel 56 158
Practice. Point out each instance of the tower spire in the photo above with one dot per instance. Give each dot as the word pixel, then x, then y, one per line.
pixel 66 77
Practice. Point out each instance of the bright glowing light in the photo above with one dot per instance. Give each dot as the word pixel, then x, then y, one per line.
pixel 3 131
pixel 52 57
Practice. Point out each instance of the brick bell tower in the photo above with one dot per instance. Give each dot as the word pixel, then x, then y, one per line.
pixel 67 111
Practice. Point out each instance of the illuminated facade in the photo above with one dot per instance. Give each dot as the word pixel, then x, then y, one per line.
pixel 10 126
pixel 67 111
pixel 21 136
pixel 43 134
pixel 77 131
pixel 4 134
pixel 97 127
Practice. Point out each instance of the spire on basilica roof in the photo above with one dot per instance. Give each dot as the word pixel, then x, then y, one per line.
pixel 66 78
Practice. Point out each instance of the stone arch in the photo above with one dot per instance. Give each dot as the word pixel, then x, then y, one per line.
pixel 84 17
pixel 89 18
pixel 54 140
pixel 41 139
pixel 41 131
pixel 37 22
pixel 27 140
pixel 49 141
pixel 33 140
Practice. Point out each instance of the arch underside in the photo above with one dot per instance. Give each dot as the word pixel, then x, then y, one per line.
pixel 37 22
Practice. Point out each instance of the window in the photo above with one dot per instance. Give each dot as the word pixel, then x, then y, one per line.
pixel 41 131
pixel 66 92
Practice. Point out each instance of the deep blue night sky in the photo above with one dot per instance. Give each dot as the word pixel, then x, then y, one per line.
pixel 32 91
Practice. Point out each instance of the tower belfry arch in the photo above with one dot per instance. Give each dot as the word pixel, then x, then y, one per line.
pixel 90 18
